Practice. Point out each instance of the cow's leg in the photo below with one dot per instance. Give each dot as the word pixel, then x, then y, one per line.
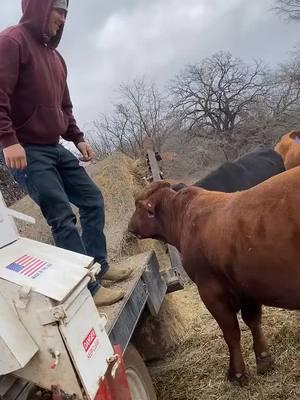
pixel 217 300
pixel 251 314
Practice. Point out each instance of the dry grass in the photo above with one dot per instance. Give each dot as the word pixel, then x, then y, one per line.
pixel 196 370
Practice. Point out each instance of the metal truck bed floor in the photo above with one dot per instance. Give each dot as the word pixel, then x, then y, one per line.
pixel 145 286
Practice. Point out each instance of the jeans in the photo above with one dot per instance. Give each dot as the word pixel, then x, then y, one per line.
pixel 54 179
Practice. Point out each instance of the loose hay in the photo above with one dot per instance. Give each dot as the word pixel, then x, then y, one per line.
pixel 154 337
pixel 119 178
pixel 196 370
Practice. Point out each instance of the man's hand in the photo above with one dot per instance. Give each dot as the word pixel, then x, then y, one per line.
pixel 15 156
pixel 86 150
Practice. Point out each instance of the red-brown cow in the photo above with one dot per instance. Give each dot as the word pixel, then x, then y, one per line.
pixel 241 249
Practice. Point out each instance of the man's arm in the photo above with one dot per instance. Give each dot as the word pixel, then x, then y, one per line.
pixel 14 154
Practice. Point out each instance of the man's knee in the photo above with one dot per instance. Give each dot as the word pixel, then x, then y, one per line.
pixel 58 216
pixel 95 199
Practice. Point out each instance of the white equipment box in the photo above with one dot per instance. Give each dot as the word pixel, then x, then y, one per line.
pixel 50 331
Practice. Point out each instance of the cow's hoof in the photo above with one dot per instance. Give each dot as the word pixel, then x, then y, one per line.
pixel 264 363
pixel 239 379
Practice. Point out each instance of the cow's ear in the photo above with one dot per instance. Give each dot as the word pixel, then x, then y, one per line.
pixel 149 207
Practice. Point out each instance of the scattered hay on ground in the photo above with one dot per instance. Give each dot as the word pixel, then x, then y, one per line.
pixel 10 190
pixel 196 370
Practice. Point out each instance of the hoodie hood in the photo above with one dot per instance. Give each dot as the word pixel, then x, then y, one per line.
pixel 35 18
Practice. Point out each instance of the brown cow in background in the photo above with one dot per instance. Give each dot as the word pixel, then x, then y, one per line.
pixel 241 249
pixel 289 149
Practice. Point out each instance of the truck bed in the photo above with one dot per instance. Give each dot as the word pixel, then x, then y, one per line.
pixel 144 287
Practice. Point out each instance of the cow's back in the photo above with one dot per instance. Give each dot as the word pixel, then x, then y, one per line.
pixel 260 165
pixel 229 177
pixel 245 172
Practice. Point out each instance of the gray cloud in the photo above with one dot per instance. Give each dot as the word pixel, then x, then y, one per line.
pixel 106 43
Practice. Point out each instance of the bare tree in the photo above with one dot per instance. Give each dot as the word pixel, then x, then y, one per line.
pixel 284 98
pixel 212 97
pixel 142 112
pixel 237 106
pixel 273 115
pixel 288 8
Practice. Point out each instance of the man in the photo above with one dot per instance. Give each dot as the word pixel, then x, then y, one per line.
pixel 35 111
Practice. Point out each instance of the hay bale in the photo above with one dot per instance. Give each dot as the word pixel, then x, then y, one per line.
pixel 157 336
pixel 119 178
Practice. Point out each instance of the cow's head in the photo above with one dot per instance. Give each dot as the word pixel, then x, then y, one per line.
pixel 289 149
pixel 287 140
pixel 145 222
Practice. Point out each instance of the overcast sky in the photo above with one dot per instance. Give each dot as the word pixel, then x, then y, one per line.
pixel 109 42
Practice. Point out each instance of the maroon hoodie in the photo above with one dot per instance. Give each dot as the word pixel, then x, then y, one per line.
pixel 35 106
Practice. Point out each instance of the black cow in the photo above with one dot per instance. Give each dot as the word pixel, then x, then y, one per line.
pixel 241 174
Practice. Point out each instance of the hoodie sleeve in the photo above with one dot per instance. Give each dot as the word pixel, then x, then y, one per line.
pixel 9 73
pixel 73 133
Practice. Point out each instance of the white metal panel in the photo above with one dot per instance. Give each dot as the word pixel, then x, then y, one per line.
pixel 8 229
pixel 88 345
pixel 61 269
pixel 39 369
pixel 16 345
pixel 21 216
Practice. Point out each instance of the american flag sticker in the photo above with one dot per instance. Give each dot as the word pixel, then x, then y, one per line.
pixel 29 266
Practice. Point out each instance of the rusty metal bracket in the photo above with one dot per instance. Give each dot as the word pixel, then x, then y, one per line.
pixel 173 275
